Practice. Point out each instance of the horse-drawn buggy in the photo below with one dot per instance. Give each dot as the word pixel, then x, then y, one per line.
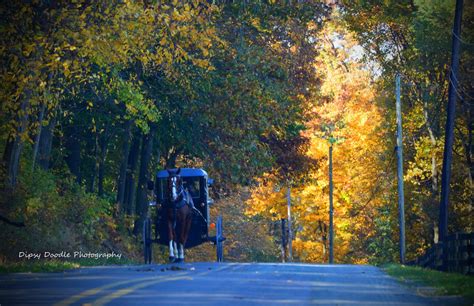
pixel 181 219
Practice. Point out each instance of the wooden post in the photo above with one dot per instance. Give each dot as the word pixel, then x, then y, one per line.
pixel 290 236
pixel 449 136
pixel 401 196
pixel 331 225
pixel 283 241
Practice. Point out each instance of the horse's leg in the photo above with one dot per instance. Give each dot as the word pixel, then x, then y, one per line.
pixel 171 248
pixel 187 222
pixel 171 239
pixel 179 233
pixel 181 242
pixel 175 246
pixel 174 225
pixel 181 252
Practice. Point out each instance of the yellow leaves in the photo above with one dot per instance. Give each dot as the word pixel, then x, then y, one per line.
pixel 414 119
pixel 256 23
pixel 427 156
pixel 163 41
pixel 66 71
pixel 94 126
pixel 105 37
pixel 349 115
pixel 33 206
pixel 201 63
pixel 267 198
pixel 177 16
pixel 28 49
pixel 363 119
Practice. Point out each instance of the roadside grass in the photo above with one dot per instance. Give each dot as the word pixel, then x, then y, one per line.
pixel 60 266
pixel 444 283
pixel 42 266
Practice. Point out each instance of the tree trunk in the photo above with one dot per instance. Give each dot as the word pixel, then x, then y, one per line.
pixel 8 148
pixel 38 135
pixel 141 207
pixel 73 155
pixel 171 160
pixel 95 169
pixel 46 143
pixel 434 167
pixel 431 209
pixel 130 177
pixel 123 166
pixel 103 142
pixel 16 146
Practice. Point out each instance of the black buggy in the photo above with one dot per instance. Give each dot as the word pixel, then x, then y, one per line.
pixel 155 229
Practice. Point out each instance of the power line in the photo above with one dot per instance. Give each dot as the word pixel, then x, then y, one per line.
pixel 459 91
pixel 458 94
pixel 460 88
pixel 462 40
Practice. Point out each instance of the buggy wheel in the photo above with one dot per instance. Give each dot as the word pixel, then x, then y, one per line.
pixel 219 240
pixel 147 241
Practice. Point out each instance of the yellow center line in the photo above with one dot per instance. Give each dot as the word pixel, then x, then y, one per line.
pixel 97 290
pixel 119 293
pixel 115 295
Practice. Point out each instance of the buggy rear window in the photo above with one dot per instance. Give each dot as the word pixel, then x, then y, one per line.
pixel 192 184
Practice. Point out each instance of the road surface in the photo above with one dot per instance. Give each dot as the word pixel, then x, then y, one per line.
pixel 213 284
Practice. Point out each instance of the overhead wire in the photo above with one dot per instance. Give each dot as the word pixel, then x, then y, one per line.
pixel 461 93
pixel 462 90
pixel 460 96
pixel 462 40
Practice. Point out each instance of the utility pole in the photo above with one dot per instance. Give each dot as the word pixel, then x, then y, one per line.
pixel 283 241
pixel 290 236
pixel 449 136
pixel 401 196
pixel 331 225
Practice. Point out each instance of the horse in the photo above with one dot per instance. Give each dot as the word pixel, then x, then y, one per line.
pixel 179 215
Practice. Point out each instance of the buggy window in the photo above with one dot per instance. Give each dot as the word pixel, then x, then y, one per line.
pixel 191 183
pixel 193 186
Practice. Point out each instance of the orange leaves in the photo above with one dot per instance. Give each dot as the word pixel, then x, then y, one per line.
pixel 350 119
pixel 267 199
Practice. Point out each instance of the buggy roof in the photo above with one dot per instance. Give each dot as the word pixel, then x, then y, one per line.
pixel 185 172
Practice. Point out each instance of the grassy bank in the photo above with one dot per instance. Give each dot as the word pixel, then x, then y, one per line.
pixel 59 266
pixel 444 283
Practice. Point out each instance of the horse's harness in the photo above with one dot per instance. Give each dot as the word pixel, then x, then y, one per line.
pixel 183 198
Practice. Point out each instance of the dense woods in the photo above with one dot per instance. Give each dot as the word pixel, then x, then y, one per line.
pixel 98 96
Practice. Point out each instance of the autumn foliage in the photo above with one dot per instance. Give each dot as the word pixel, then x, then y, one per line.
pixel 346 115
pixel 97 96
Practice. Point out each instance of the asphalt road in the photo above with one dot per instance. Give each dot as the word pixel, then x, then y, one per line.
pixel 213 284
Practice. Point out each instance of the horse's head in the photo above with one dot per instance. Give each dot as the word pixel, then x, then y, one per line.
pixel 175 184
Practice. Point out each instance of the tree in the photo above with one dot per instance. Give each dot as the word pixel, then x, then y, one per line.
pixel 417 44
pixel 346 106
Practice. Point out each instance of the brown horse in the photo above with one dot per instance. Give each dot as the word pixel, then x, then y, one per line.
pixel 179 215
